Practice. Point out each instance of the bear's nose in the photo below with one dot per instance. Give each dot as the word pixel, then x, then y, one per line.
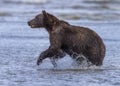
pixel 29 23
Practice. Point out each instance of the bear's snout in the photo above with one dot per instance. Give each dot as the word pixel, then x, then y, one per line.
pixel 28 23
pixel 32 23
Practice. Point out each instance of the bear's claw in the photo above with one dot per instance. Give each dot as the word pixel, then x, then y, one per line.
pixel 39 61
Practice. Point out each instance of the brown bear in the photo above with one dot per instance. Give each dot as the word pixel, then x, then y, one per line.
pixel 69 39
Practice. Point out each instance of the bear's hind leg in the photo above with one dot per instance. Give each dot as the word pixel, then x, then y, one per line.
pixel 95 59
pixel 80 59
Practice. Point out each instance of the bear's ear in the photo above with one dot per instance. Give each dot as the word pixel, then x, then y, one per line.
pixel 45 14
pixel 49 19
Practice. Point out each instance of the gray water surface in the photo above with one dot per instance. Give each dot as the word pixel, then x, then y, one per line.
pixel 20 45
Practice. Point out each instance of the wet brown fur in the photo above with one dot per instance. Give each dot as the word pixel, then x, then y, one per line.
pixel 70 38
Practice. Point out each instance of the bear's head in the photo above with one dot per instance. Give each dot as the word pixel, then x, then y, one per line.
pixel 43 19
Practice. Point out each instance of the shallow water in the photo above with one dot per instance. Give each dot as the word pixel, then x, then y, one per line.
pixel 20 46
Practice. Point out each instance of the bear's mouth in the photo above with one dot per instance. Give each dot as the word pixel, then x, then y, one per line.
pixel 32 26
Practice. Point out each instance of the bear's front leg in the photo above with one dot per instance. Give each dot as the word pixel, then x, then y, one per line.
pixel 53 61
pixel 48 53
pixel 54 48
pixel 41 57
